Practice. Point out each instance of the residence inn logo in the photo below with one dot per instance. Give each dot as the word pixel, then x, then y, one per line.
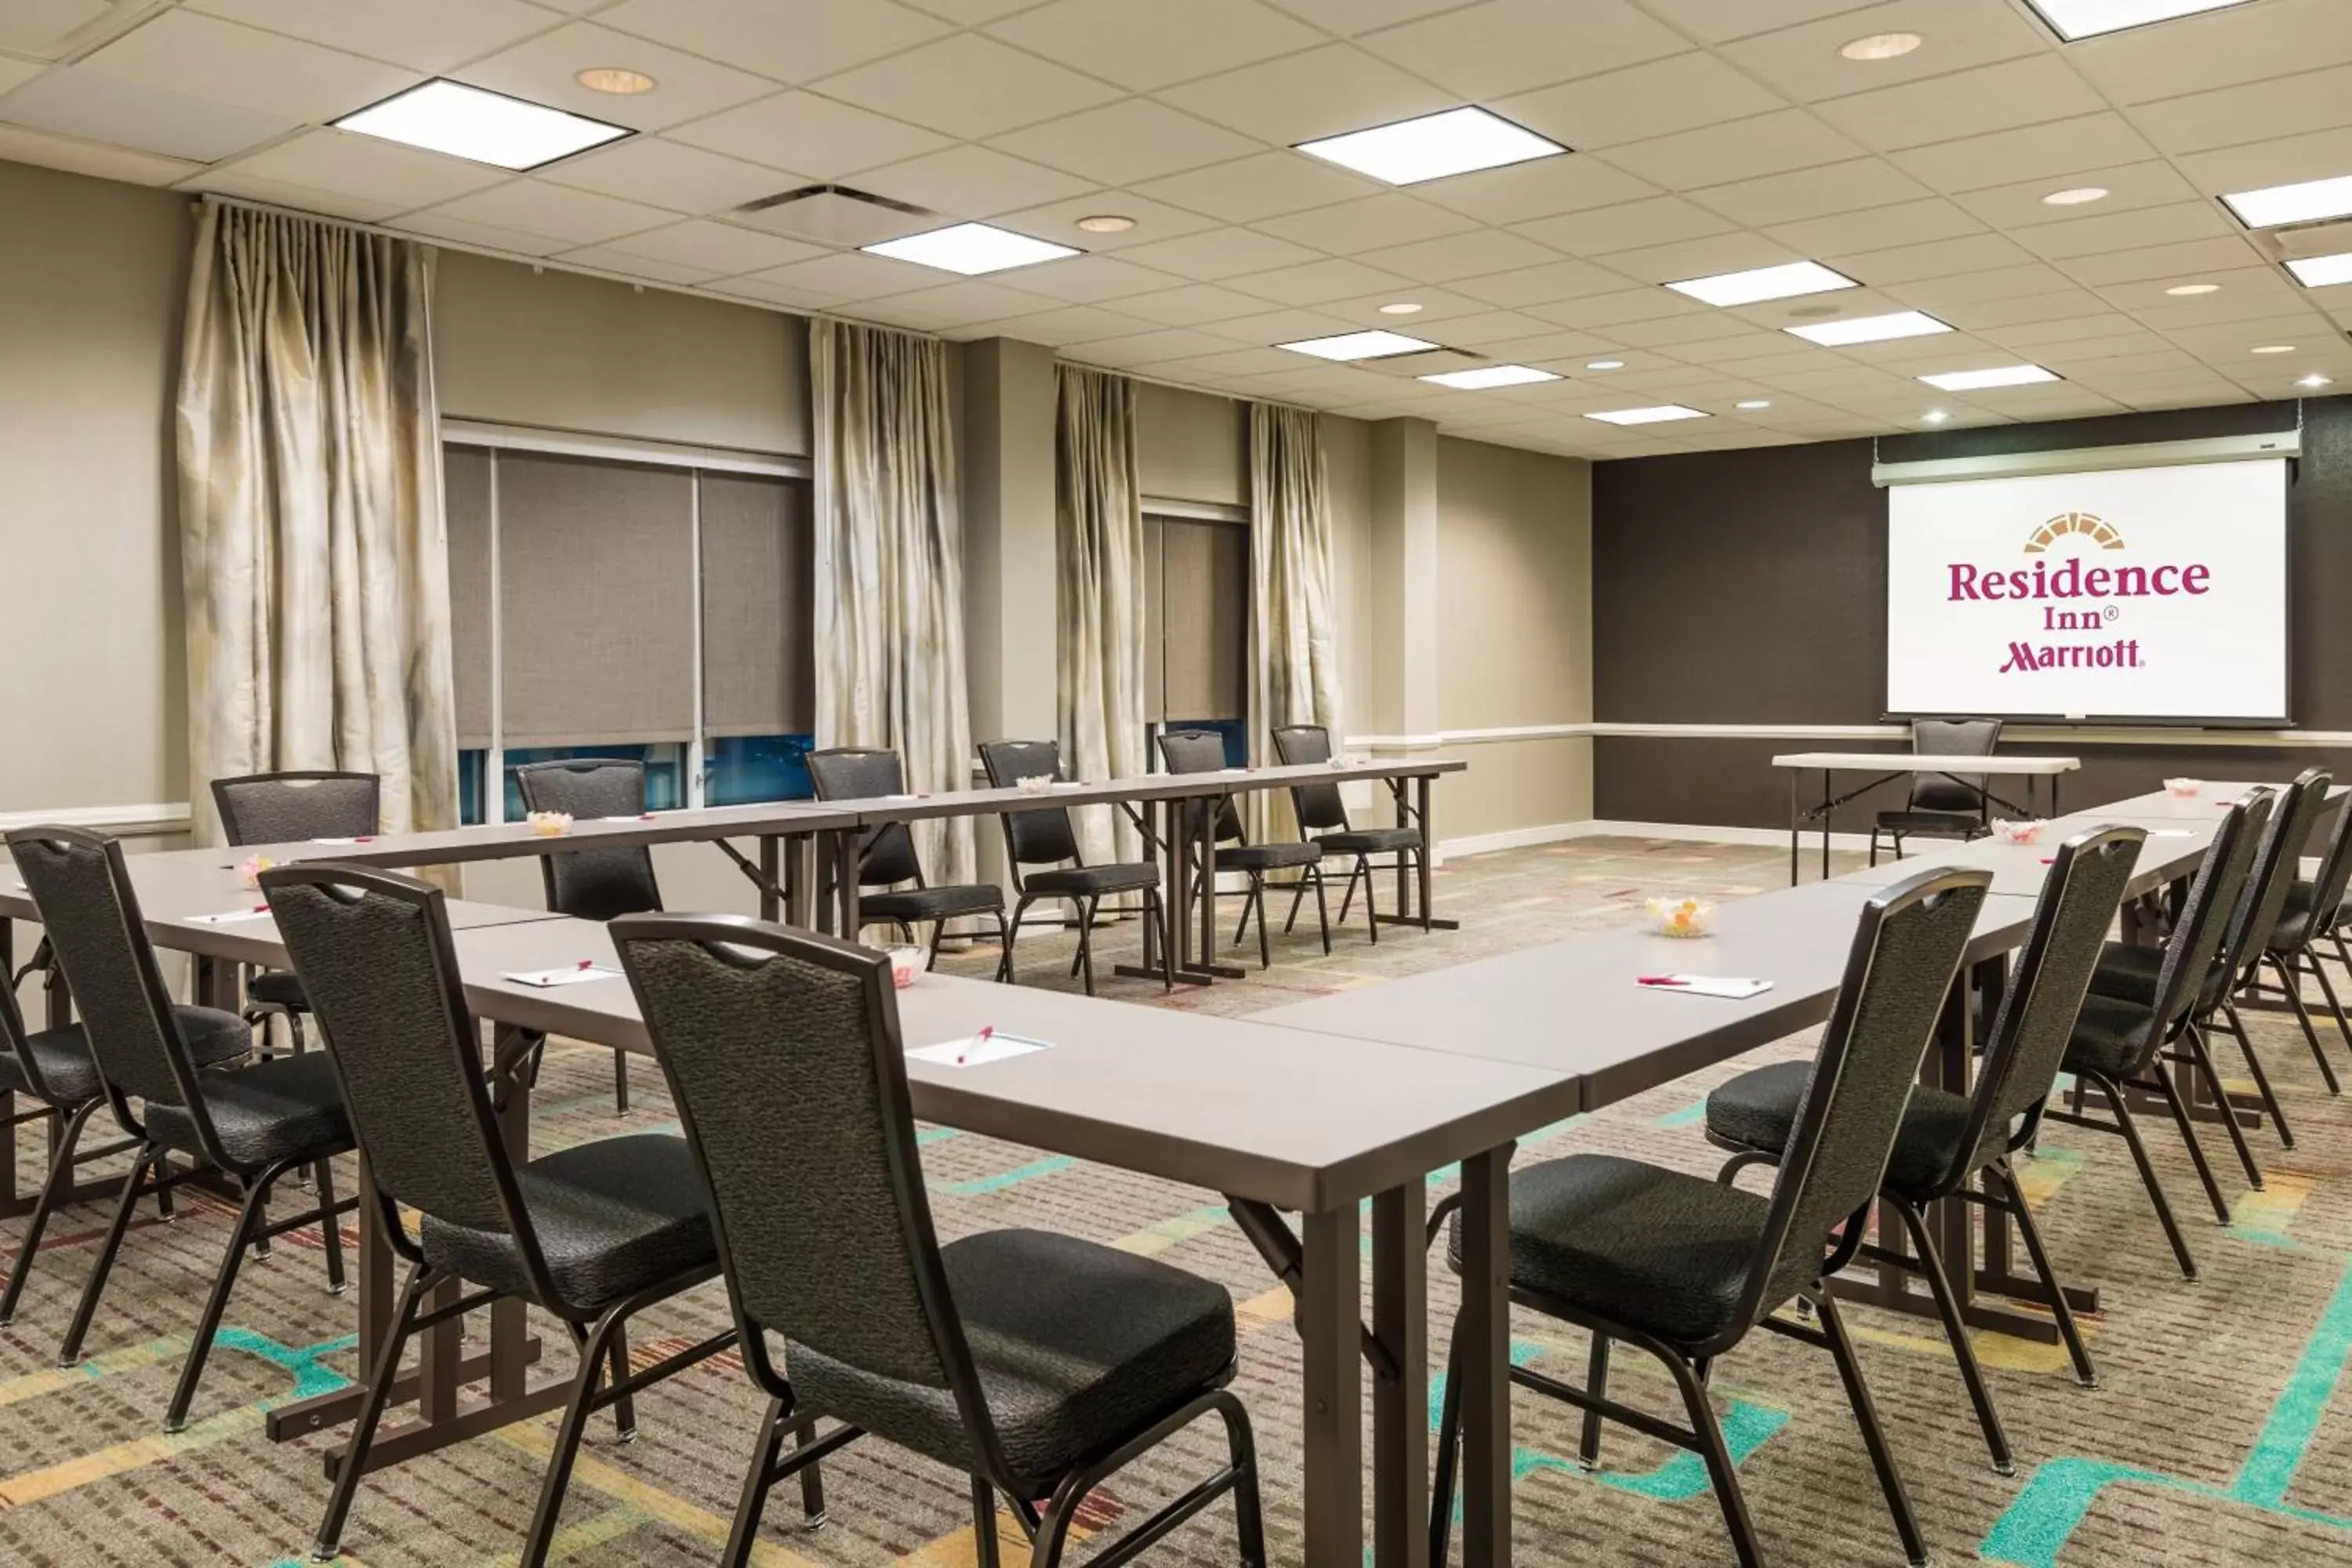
pixel 2075 597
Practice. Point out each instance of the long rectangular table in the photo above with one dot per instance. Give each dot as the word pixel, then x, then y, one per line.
pixel 1888 766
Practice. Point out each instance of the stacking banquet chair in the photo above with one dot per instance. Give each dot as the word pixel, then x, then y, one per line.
pixel 1323 820
pixel 2130 971
pixel 1684 1267
pixel 1948 1139
pixel 887 856
pixel 1942 807
pixel 2314 908
pixel 594 884
pixel 2120 1044
pixel 287 808
pixel 1203 751
pixel 1045 838
pixel 1037 1364
pixel 593 1233
pixel 252 1125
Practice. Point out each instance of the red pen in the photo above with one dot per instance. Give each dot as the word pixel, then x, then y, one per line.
pixel 587 963
pixel 978 1040
pixel 1658 980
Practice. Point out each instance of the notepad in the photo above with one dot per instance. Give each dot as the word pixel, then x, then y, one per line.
pixel 1729 989
pixel 974 1051
pixel 544 979
pixel 364 838
pixel 2172 832
pixel 640 816
pixel 230 917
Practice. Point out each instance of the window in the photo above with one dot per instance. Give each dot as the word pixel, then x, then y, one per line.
pixel 608 606
pixel 1196 593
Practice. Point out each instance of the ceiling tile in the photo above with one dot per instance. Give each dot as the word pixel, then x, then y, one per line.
pixel 2219 49
pixel 1468 254
pixel 1542 285
pixel 1320 92
pixel 1346 18
pixel 1740 150
pixel 1146 44
pixel 715 249
pixel 2063 147
pixel 1144 348
pixel 1502 47
pixel 232 180
pixel 1351 226
pixel 970 13
pixel 1438 306
pixel 1803 61
pixel 817 136
pixel 1976 254
pixel 1990 314
pixel 1069 324
pixel 1967 103
pixel 1131 140
pixel 1238 361
pixel 248 67
pixel 478 235
pixel 1058 221
pixel 2159 261
pixel 793 297
pixel 853 275
pixel 1679 333
pixel 1268 327
pixel 1488 327
pixel 1879 228
pixel 15 73
pixel 970 181
pixel 2284 161
pixel 2245 294
pixel 665 174
pixel 787 40
pixel 968 86
pixel 1539 188
pixel 605 259
pixel 1686 258
pixel 1716 21
pixel 1086 279
pixel 1219 253
pixel 2256 112
pixel 1682 92
pixel 1812 192
pixel 965 303
pixel 1191 305
pixel 557 211
pixel 75 101
pixel 1662 220
pixel 545 69
pixel 339 161
pixel 2129 188
pixel 2125 230
pixel 1266 185
pixel 1606 310
pixel 422 34
pixel 1313 282
pixel 1565 350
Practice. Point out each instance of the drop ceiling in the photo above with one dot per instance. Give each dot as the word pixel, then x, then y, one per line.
pixel 1711 136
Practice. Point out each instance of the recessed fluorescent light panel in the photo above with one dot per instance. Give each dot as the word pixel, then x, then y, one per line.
pixel 444 116
pixel 1869 330
pixel 1764 283
pixel 1647 416
pixel 970 249
pixel 1488 376
pixel 2320 271
pixel 1433 146
pixel 2305 202
pixel 1357 345
pixel 1985 380
pixel 2073 19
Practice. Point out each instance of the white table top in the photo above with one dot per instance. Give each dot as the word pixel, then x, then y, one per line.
pixel 1924 763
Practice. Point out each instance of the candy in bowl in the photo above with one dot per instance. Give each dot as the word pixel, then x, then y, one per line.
pixel 1036 784
pixel 2018 832
pixel 2183 788
pixel 1680 917
pixel 550 823
pixel 906 963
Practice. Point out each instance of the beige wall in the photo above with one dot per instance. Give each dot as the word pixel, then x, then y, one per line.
pixel 1192 446
pixel 567 353
pixel 92 281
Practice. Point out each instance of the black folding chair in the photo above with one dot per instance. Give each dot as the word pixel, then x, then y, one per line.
pixel 1203 751
pixel 287 808
pixel 887 858
pixel 1943 808
pixel 1323 820
pixel 1043 836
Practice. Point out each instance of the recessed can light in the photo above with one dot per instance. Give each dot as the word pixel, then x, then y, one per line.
pixel 2079 196
pixel 1106 223
pixel 2273 348
pixel 618 79
pixel 2190 290
pixel 1882 46
pixel 1605 365
pixel 1755 403
pixel 1402 308
pixel 1935 417
pixel 2315 381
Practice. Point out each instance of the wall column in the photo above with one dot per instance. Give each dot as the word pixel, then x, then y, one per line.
pixel 1404 538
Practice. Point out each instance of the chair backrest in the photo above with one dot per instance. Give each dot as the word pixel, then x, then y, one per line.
pixel 77 882
pixel 287 807
pixel 783 1056
pixel 1043 837
pixel 885 853
pixel 1898 976
pixel 2277 866
pixel 593 884
pixel 1952 738
pixel 2334 873
pixel 2035 1022
pixel 1317 805
pixel 373 953
pixel 1200 752
pixel 2192 956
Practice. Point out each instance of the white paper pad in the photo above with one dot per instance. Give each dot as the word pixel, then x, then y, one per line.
pixel 644 817
pixel 972 1052
pixel 339 841
pixel 2172 832
pixel 1713 985
pixel 544 978
pixel 229 917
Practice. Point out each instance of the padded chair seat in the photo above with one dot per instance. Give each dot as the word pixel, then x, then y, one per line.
pixel 1369 840
pixel 613 1217
pixel 2109 1036
pixel 1966 824
pixel 2127 971
pixel 279 987
pixel 62 1058
pixel 932 903
pixel 1119 877
pixel 2294 931
pixel 1267 857
pixel 1759 1110
pixel 1078 1346
pixel 289 1108
pixel 1650 1247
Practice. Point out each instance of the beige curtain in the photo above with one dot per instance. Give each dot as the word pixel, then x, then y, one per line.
pixel 1296 655
pixel 889 566
pixel 1098 538
pixel 313 554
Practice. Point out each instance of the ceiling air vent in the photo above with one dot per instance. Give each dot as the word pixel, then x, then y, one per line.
pixel 836 215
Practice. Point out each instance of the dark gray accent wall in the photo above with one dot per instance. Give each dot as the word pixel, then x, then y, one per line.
pixel 1749 587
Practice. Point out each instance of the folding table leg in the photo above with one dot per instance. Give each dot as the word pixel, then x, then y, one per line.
pixel 1486 1360
pixel 1330 1328
pixel 1401 1390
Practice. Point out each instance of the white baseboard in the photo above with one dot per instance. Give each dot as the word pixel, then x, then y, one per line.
pixel 1556 832
pixel 1510 839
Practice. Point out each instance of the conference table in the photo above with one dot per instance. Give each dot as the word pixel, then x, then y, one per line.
pixel 1887 766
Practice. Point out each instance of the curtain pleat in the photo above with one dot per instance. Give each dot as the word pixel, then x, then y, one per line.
pixel 313 555
pixel 1098 526
pixel 1293 626
pixel 889 566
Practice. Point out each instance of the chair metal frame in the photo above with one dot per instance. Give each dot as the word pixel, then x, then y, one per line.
pixel 1363 869
pixel 1980 789
pixel 1156 923
pixel 1229 827
pixel 258 1011
pixel 870 845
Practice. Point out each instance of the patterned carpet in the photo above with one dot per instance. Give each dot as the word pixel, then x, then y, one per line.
pixel 2213 1439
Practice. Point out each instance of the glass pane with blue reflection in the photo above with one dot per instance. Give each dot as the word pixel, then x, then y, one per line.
pixel 742 770
pixel 665 771
pixel 1235 732
pixel 473 767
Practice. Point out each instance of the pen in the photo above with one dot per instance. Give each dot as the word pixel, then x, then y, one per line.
pixel 1658 980
pixel 980 1040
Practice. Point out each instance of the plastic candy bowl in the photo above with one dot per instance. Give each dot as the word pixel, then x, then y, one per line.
pixel 550 823
pixel 2018 832
pixel 1681 917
